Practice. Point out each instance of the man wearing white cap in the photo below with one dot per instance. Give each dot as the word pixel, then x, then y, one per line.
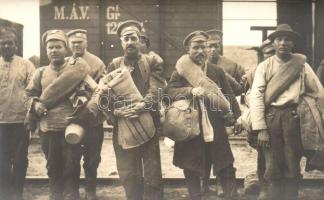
pixel 134 163
pixel 92 142
pixel 48 98
pixel 15 73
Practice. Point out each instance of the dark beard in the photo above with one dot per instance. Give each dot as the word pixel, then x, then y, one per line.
pixel 199 60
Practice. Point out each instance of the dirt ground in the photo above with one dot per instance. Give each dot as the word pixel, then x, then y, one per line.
pixel 171 192
pixel 245 159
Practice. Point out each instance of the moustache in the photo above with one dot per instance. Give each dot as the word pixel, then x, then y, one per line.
pixel 130 46
pixel 201 56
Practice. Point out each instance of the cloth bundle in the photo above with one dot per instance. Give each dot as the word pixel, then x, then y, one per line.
pixel 311 113
pixel 196 77
pixel 69 78
pixel 181 121
pixel 132 132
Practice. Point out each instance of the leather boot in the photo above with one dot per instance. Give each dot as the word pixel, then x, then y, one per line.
pixel 56 189
pixel 90 181
pixel 291 187
pixel 205 185
pixel 90 195
pixel 193 184
pixel 229 188
pixel 151 192
pixel 251 184
pixel 275 190
pixel 196 197
pixel 228 183
pixel 263 195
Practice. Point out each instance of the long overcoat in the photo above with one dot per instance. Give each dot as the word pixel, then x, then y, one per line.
pixel 192 154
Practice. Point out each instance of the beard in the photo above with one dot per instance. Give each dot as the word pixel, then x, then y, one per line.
pixel 199 59
pixel 131 50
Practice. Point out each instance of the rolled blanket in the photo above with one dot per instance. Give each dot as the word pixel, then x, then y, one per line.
pixel 132 132
pixel 69 78
pixel 311 113
pixel 287 74
pixel 196 77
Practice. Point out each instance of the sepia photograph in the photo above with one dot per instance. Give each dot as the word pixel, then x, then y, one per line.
pixel 161 100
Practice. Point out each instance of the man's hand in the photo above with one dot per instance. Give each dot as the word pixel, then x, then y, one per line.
pixel 198 91
pixel 125 113
pixel 131 111
pixel 103 84
pixel 137 107
pixel 263 138
pixel 237 128
pixel 40 109
pixel 229 119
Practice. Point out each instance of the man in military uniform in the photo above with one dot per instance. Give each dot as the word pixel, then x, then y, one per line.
pixel 234 71
pixel 214 49
pixel 194 156
pixel 92 142
pixel 15 73
pixel 146 73
pixel 48 95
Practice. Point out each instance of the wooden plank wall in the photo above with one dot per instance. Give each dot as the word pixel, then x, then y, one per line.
pixel 166 22
pixel 181 17
pixel 319 33
pixel 298 14
pixel 67 15
pixel 116 11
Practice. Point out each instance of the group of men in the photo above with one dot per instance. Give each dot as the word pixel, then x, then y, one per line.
pixel 45 94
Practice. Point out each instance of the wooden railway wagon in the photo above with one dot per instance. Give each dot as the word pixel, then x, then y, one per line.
pixel 168 21
pixel 19 29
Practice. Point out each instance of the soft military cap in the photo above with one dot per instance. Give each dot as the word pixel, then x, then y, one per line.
pixel 196 36
pixel 54 35
pixel 128 27
pixel 214 35
pixel 77 34
pixel 284 29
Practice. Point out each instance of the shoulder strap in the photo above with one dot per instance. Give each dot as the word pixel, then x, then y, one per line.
pixel 41 72
pixel 287 74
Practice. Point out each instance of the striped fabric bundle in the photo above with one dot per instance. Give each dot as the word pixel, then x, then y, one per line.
pixel 132 132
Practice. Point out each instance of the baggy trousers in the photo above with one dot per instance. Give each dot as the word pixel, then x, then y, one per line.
pixel 226 176
pixel 14 141
pixel 283 157
pixel 91 150
pixel 139 170
pixel 63 165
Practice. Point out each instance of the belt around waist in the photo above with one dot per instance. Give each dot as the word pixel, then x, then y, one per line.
pixel 285 106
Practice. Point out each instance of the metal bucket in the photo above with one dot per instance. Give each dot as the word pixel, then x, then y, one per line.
pixel 74 133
